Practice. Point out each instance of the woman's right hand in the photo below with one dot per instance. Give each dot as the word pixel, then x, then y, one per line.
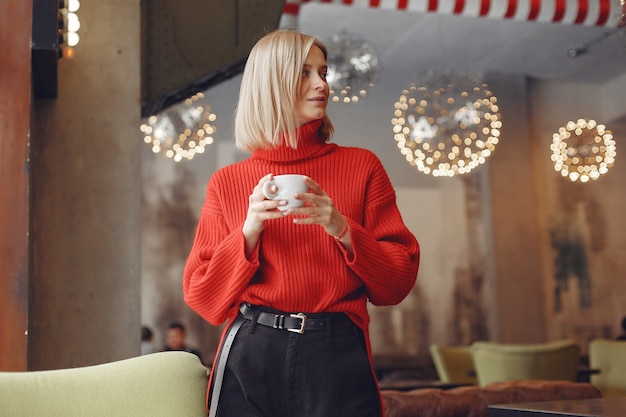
pixel 260 209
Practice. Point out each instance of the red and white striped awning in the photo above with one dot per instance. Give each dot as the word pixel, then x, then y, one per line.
pixel 608 13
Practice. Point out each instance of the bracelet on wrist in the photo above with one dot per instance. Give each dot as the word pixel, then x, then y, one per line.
pixel 344 231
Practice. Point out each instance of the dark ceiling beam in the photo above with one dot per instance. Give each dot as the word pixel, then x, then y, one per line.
pixel 189 46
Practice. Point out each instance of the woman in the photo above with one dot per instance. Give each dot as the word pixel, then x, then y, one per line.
pixel 294 283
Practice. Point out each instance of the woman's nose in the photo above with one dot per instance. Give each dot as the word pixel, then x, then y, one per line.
pixel 319 82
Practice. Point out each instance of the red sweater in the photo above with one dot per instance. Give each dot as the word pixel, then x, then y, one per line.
pixel 300 268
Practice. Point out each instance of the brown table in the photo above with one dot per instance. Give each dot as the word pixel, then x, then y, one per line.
pixel 408 367
pixel 597 407
pixel 411 384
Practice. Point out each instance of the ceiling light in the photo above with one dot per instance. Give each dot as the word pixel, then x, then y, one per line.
pixel 583 150
pixel 352 67
pixel 447 125
pixel 181 131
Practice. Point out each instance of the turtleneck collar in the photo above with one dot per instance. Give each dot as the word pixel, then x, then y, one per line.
pixel 310 145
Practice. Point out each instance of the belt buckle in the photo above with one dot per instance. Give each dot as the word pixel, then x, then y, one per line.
pixel 302 317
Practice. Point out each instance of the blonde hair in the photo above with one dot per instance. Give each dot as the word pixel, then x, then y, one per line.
pixel 270 88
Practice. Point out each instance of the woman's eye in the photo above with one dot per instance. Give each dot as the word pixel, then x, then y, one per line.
pixel 324 75
pixel 305 73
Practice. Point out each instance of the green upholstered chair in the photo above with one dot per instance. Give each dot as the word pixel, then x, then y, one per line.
pixel 165 384
pixel 453 363
pixel 609 357
pixel 541 361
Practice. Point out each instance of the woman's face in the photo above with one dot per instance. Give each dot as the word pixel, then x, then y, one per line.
pixel 313 98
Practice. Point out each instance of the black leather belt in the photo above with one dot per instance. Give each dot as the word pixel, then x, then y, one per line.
pixel 295 322
pixel 218 377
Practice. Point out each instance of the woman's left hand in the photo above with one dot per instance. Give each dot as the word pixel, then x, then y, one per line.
pixel 319 209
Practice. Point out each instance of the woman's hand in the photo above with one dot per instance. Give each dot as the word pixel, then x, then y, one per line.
pixel 260 210
pixel 319 209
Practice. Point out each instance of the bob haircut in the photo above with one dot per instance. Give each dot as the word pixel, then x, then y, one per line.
pixel 270 88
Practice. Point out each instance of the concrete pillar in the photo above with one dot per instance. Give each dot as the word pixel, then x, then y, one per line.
pixel 517 293
pixel 86 197
pixel 15 38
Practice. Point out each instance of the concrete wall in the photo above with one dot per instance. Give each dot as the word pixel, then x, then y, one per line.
pixel 516 283
pixel 86 198
pixel 585 293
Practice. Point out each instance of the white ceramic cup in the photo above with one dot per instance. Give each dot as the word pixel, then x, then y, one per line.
pixel 286 187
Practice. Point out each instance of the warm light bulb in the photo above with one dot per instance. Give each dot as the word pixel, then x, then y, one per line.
pixel 73 5
pixel 68 52
pixel 72 39
pixel 73 24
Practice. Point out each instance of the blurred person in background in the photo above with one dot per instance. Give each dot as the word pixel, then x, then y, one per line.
pixel 176 339
pixel 623 335
pixel 147 341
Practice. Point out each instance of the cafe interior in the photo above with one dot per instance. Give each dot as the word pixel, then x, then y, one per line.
pixel 120 112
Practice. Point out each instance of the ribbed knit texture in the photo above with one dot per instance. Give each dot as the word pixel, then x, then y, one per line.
pixel 300 268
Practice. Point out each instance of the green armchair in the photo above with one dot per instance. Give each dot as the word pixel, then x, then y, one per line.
pixel 453 364
pixel 609 358
pixel 541 361
pixel 165 384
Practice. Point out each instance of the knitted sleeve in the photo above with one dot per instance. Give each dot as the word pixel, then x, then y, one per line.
pixel 217 271
pixel 385 253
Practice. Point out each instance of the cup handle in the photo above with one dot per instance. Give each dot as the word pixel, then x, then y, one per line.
pixel 267 192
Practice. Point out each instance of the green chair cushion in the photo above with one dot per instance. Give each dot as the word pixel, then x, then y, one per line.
pixel 165 384
pixel 542 361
